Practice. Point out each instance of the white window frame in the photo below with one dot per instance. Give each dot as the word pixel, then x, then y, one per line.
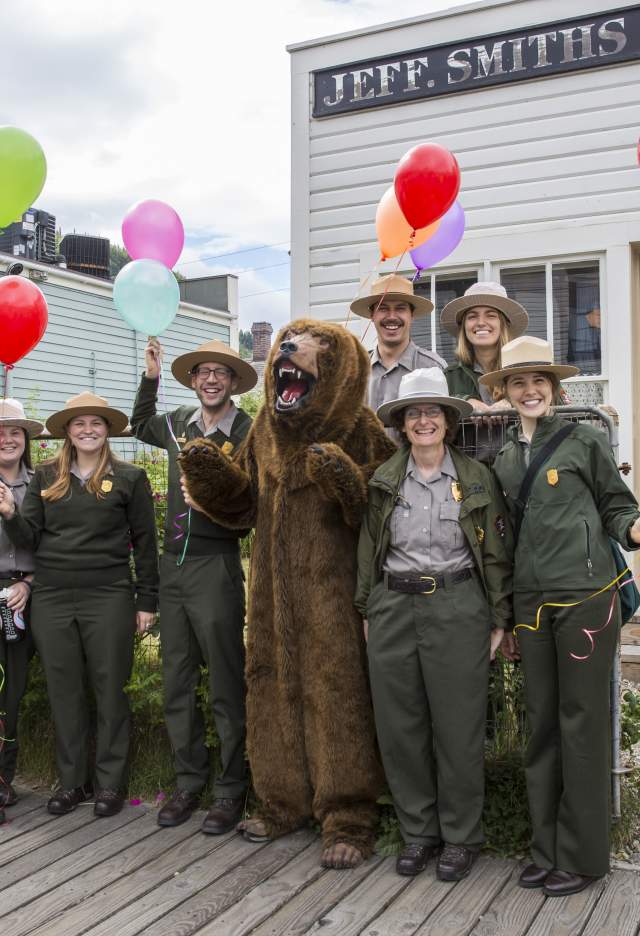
pixel 494 270
pixel 468 269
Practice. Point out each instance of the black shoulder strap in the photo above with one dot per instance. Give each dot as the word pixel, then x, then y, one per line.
pixel 525 488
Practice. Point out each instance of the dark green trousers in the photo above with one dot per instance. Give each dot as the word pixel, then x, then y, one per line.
pixel 14 659
pixel 80 633
pixel 568 763
pixel 201 623
pixel 429 667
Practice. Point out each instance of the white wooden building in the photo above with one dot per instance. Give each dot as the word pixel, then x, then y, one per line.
pixel 539 102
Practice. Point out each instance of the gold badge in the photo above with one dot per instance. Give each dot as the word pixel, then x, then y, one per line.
pixel 552 476
pixel 227 448
pixel 106 486
pixel 480 534
pixel 456 491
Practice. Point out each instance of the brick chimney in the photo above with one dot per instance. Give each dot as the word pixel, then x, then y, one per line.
pixel 261 332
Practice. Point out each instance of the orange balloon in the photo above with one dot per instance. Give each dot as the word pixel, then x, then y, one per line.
pixel 394 231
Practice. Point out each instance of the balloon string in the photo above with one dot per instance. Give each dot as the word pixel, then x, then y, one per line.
pixel 374 269
pixel 382 297
pixel 186 542
pixel 7 368
pixel 588 632
pixel 163 403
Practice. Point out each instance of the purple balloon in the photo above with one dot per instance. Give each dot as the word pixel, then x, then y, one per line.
pixel 443 242
pixel 152 230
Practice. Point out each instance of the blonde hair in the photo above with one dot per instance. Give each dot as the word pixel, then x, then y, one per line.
pixel 62 463
pixel 466 354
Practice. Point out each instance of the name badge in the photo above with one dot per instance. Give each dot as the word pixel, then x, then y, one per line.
pixel 106 486
pixel 552 477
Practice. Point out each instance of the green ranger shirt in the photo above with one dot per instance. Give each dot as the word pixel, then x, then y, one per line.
pixel 206 538
pixel 577 501
pixel 482 518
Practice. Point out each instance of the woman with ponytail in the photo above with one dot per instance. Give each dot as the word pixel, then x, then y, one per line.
pixel 84 512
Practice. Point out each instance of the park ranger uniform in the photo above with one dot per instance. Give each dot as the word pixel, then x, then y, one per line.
pixel 84 605
pixel 202 605
pixel 577 501
pixel 15 564
pixel 434 578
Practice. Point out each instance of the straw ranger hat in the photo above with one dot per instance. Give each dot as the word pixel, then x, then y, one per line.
pixel 425 385
pixel 493 295
pixel 218 352
pixel 396 289
pixel 87 404
pixel 525 355
pixel 12 414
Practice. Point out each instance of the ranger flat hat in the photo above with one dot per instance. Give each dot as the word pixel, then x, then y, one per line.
pixel 12 414
pixel 526 355
pixel 424 385
pixel 87 404
pixel 493 295
pixel 221 353
pixel 396 289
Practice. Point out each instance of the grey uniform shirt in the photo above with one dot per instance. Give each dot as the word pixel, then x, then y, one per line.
pixel 14 559
pixel 486 394
pixel 224 425
pixel 426 535
pixel 384 384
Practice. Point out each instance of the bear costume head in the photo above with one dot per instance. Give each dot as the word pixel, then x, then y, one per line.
pixel 315 381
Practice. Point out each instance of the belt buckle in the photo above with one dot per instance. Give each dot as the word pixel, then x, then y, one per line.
pixel 430 578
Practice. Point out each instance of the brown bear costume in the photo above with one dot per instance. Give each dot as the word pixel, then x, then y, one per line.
pixel 301 478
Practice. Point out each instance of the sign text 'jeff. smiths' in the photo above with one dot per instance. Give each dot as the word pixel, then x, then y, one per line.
pixel 588 42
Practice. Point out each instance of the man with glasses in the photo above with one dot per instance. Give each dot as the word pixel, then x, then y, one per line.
pixel 201 585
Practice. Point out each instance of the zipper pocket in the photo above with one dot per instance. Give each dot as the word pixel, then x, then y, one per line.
pixel 589 562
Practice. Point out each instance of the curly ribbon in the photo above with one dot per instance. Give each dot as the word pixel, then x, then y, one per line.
pixel 588 632
pixel 5 386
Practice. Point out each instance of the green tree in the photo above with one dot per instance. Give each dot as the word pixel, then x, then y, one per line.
pixel 245 340
pixel 118 257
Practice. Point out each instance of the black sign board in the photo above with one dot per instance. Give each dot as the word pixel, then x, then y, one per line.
pixel 556 48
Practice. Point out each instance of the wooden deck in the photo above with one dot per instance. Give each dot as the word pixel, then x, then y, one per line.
pixel 75 874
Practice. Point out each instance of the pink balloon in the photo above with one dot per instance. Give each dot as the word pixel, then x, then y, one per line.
pixel 152 230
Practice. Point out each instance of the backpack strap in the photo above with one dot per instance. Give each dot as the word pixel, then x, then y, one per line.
pixel 533 469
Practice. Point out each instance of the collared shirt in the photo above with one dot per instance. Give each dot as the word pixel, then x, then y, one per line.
pixel 12 558
pixel 526 446
pixel 426 535
pixel 224 425
pixel 74 470
pixel 384 384
pixel 486 394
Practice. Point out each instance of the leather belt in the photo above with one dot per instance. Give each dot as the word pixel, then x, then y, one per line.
pixel 426 584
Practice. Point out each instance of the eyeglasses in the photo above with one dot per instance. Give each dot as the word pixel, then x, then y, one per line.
pixel 431 412
pixel 220 373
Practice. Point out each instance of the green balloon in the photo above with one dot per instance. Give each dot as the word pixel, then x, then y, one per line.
pixel 23 170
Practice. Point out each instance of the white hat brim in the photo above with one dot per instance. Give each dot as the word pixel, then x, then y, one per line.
pixel 385 411
pixel 515 314
pixel 562 371
pixel 31 426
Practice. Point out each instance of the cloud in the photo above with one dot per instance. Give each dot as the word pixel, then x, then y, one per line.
pixel 188 103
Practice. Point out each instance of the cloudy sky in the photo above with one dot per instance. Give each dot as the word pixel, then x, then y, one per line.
pixel 187 101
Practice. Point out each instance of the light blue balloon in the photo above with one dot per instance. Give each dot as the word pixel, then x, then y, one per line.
pixel 147 296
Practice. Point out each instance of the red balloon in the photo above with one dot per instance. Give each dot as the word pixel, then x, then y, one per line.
pixel 427 182
pixel 23 317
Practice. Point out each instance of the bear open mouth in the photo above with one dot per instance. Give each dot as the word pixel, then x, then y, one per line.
pixel 293 386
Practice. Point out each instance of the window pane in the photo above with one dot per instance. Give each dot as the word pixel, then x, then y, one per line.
pixel 576 315
pixel 527 286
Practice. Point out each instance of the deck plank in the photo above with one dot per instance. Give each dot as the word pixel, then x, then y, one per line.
pixel 469 899
pixel 566 916
pixel 160 901
pixel 27 802
pixel 130 878
pixel 412 907
pixel 199 910
pixel 354 912
pixel 298 915
pixel 619 905
pixel 42 835
pixel 25 822
pixel 512 912
pixel 66 844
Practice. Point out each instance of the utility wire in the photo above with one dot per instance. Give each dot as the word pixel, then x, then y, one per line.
pixel 266 292
pixel 232 253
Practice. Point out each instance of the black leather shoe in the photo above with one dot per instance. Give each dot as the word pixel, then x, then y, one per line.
pixel 108 803
pixel 65 801
pixel 563 883
pixel 8 795
pixel 533 876
pixel 413 858
pixel 223 816
pixel 179 808
pixel 455 862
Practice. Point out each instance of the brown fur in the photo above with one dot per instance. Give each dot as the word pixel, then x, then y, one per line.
pixel 301 479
